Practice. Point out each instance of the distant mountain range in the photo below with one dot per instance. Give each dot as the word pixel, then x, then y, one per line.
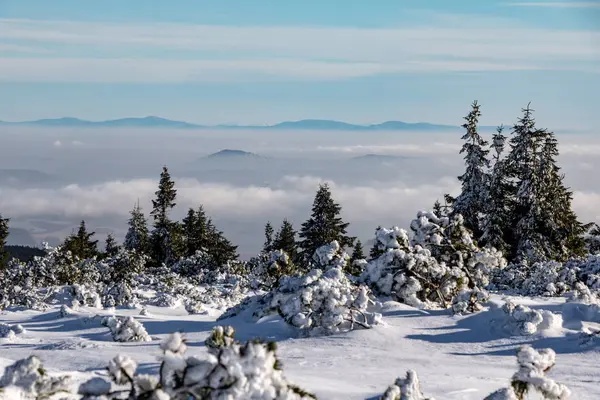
pixel 306 124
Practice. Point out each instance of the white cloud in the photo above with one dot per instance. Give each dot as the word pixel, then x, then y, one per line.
pixel 124 52
pixel 432 148
pixel 558 4
pixel 390 202
pixel 378 201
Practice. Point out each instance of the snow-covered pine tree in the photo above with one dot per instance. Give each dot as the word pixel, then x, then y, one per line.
pixel 377 250
pixel 592 238
pixel 137 234
pixel 285 239
pixel 496 221
pixel 161 240
pixel 268 244
pixel 470 203
pixel 545 225
pixel 565 233
pixel 357 251
pixel 522 166
pixel 111 248
pixel 324 226
pixel 80 244
pixel 3 237
pixel 195 231
pixel 220 249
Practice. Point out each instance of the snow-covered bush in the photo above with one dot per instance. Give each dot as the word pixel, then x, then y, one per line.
pixel 126 329
pixel 9 332
pixel 27 379
pixel 221 336
pixel 236 371
pixel 552 278
pixel 268 268
pixel 407 388
pixel 431 268
pixel 469 301
pixel 522 320
pixel 321 302
pixel 531 377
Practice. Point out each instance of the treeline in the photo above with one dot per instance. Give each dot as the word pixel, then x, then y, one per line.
pixel 513 198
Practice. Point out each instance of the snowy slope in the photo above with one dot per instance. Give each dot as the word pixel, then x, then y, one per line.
pixel 457 357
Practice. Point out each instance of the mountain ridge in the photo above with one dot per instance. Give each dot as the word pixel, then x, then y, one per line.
pixel 305 124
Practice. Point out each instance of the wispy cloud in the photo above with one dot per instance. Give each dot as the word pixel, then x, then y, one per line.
pixel 184 52
pixel 557 4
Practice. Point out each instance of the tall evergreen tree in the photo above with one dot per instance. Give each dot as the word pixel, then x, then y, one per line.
pixel 220 249
pixel 545 225
pixel 268 244
pixel 3 237
pixel 324 226
pixel 111 248
pixel 195 231
pixel 137 233
pixel 357 252
pixel 285 239
pixel 470 202
pixel 161 239
pixel 376 250
pixel 496 222
pixel 80 244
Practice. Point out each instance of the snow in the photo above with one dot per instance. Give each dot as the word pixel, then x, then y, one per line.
pixel 463 357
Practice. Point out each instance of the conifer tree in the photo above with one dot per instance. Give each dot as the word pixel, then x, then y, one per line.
pixel 496 222
pixel 545 226
pixel 111 248
pixel 137 234
pixel 268 244
pixel 220 249
pixel 162 245
pixel 376 251
pixel 324 226
pixel 470 202
pixel 80 244
pixel 357 252
pixel 3 237
pixel 285 239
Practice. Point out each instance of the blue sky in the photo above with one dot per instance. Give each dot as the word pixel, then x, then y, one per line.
pixel 264 61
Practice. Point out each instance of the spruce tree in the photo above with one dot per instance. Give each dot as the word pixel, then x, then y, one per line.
pixel 3 237
pixel 496 222
pixel 80 244
pixel 285 239
pixel 137 233
pixel 545 226
pixel 324 226
pixel 195 229
pixel 470 202
pixel 268 244
pixel 220 249
pixel 357 252
pixel 376 250
pixel 111 248
pixel 161 239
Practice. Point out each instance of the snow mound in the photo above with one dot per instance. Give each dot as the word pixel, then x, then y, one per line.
pixel 522 320
pixel 10 332
pixel 126 329
pixel 407 388
pixel 28 378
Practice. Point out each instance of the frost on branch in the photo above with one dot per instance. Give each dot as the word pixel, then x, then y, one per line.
pixel 531 377
pixel 28 378
pixel 522 320
pixel 407 388
pixel 126 329
pixel 431 268
pixel 321 302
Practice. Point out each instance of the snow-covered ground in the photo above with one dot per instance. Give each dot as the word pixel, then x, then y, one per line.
pixel 457 357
